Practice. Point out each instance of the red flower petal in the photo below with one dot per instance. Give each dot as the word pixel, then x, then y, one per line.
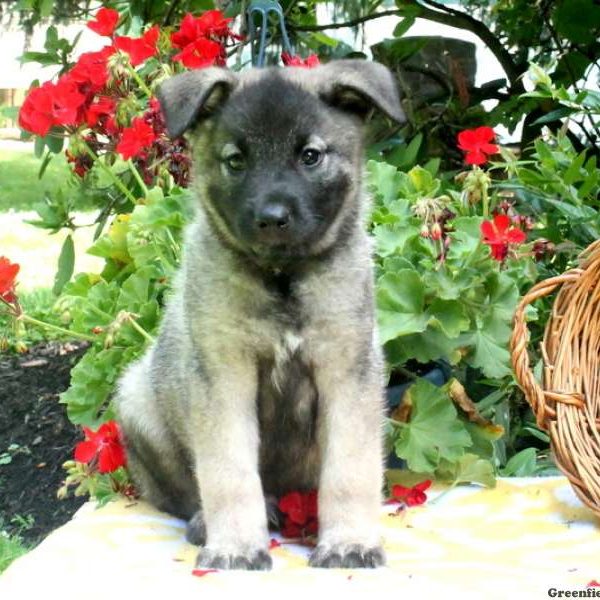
pixel 36 114
pixel 475 158
pixel 292 505
pixel 400 492
pixel 110 457
pixel 135 138
pixel 477 144
pixel 501 223
pixel 484 134
pixel 105 21
pixel 424 485
pixel 8 274
pixel 139 49
pixel 201 53
pixel 290 60
pixel 85 452
pixel 515 236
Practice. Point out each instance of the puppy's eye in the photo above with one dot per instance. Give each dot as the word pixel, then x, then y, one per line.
pixel 235 162
pixel 311 157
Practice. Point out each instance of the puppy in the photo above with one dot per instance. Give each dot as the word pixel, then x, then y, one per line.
pixel 266 375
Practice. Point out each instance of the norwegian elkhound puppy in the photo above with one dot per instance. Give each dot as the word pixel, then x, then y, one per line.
pixel 266 376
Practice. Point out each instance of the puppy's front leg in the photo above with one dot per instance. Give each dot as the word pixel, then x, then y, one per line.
pixel 226 441
pixel 350 437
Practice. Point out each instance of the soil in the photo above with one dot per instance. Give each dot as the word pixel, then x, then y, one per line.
pixel 36 438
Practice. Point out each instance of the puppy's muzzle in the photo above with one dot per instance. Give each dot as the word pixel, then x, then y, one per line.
pixel 274 224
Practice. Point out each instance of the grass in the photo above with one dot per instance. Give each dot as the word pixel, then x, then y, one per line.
pixel 11 547
pixel 20 187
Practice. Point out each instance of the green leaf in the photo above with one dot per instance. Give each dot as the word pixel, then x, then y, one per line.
pixel 434 431
pixel 403 26
pixel 391 239
pixel 55 143
pixel 521 464
pixel 66 264
pixel 45 164
pixel 400 304
pixel 38 146
pixel 422 181
pixel 46 7
pixel 489 356
pixel 472 469
pixel 450 316
pixel 385 181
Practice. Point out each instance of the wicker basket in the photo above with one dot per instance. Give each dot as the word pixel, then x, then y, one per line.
pixel 568 404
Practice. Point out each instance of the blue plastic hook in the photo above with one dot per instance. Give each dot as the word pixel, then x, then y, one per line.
pixel 262 8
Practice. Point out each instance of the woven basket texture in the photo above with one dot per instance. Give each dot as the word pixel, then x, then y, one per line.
pixel 567 404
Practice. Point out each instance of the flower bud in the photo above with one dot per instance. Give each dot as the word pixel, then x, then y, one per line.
pixel 424 231
pixel 436 231
pixel 21 347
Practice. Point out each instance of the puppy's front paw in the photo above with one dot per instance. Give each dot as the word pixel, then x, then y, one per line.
pixel 347 556
pixel 253 560
pixel 195 531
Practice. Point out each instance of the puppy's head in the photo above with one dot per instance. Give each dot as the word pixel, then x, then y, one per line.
pixel 278 152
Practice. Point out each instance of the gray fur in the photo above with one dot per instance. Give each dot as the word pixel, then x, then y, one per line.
pixel 266 376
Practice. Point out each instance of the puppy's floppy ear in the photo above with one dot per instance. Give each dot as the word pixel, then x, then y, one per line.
pixel 358 86
pixel 186 98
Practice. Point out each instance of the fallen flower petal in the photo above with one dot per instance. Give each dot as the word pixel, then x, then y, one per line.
pixel 411 496
pixel 203 572
pixel 273 543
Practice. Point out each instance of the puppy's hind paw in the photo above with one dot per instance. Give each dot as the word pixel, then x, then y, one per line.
pixel 258 560
pixel 347 556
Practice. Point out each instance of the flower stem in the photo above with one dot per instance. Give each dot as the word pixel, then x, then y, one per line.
pixel 56 328
pixel 140 330
pixel 114 178
pixel 138 177
pixel 140 81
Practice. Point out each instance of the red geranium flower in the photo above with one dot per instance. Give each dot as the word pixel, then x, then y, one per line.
pixel 301 514
pixel 477 144
pixel 52 104
pixel 104 446
pixel 91 70
pixel 99 110
pixel 67 101
pixel 36 115
pixel 290 60
pixel 201 53
pixel 211 24
pixel 411 496
pixel 139 49
pixel 135 138
pixel 8 274
pixel 499 234
pixel 105 21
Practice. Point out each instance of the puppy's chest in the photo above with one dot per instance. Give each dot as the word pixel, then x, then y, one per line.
pixel 287 393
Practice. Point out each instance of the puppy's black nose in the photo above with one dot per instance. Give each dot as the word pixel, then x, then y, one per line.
pixel 272 217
